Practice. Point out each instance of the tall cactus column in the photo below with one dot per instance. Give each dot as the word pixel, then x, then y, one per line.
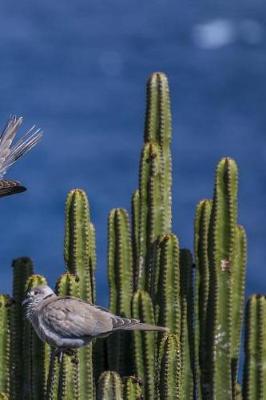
pixel 22 270
pixel 80 258
pixel 120 277
pixel 254 382
pixel 6 309
pixel 220 275
pixel 152 215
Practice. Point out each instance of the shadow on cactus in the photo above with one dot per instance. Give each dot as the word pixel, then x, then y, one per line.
pixel 199 297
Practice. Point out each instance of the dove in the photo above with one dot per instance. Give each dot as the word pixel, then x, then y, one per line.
pixel 69 323
pixel 9 154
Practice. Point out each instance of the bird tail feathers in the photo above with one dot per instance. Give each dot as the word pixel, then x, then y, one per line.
pixel 145 327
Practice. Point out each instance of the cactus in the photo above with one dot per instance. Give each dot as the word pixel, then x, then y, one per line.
pixel 153 200
pixel 110 386
pixel 132 388
pixel 80 258
pixel 150 279
pixel 3 396
pixel 170 369
pixel 35 355
pixel 80 243
pixel 254 383
pixel 221 256
pixel 167 284
pixel 120 276
pixel 22 269
pixel 186 339
pixel 6 306
pixel 201 295
pixel 144 343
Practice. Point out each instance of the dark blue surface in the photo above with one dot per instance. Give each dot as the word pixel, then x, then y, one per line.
pixel 78 70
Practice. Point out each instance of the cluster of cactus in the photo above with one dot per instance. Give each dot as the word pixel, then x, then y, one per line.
pixel 200 299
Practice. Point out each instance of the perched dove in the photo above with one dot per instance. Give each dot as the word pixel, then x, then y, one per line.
pixel 69 322
pixel 9 154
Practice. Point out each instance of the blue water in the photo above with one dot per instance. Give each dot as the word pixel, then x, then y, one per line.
pixel 78 70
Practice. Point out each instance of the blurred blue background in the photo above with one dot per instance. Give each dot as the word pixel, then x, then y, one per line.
pixel 78 70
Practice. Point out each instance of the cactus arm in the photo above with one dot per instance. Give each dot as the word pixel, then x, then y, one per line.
pixel 110 386
pixel 170 369
pixel 254 382
pixel 79 241
pixel 80 257
pixel 238 297
pixel 168 284
pixel 120 274
pixel 158 129
pixel 187 307
pixel 135 207
pixel 131 388
pixel 22 269
pixel 221 255
pixel 201 294
pixel 6 310
pixel 144 343
pixel 151 211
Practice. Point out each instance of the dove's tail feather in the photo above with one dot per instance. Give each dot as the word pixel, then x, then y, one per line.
pixel 139 326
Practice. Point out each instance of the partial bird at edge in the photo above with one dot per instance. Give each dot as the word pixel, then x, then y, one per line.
pixel 10 154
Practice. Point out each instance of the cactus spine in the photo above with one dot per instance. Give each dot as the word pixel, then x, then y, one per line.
pixel 254 385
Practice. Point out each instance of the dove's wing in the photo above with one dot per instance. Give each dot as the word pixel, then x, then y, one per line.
pixel 10 187
pixel 74 318
pixel 8 153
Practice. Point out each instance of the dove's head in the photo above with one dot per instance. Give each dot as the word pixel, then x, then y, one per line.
pixel 36 295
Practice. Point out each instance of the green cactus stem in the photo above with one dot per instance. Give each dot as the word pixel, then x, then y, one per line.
pixel 238 297
pixel 6 309
pixel 35 355
pixel 135 210
pixel 3 396
pixel 22 269
pixel 120 276
pixel 221 257
pixel 132 388
pixel 170 369
pixel 80 258
pixel 151 212
pixel 254 382
pixel 144 343
pixel 152 203
pixel 80 252
pixel 187 334
pixel 110 386
pixel 158 129
pixel 167 284
pixel 201 295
